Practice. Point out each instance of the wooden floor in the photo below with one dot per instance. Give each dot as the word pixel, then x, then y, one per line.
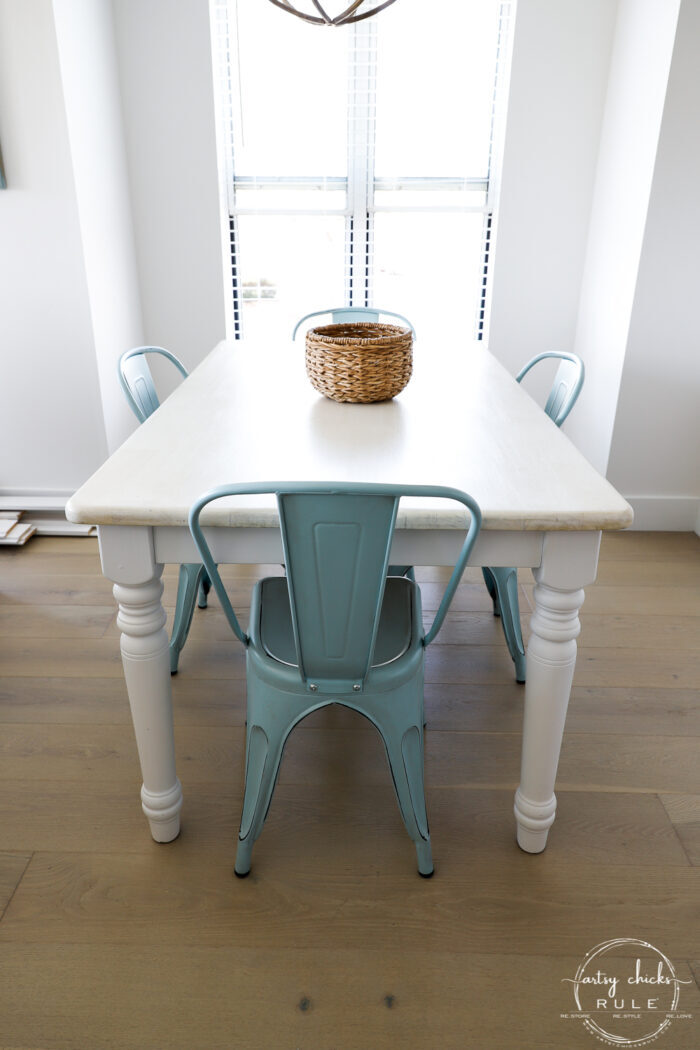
pixel 108 940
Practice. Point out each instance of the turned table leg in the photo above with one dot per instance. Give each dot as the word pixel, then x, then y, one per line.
pixel 127 558
pixel 569 561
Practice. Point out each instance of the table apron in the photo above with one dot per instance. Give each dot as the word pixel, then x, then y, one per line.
pixel 174 545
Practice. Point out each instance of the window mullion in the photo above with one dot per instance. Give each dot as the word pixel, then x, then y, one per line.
pixel 362 81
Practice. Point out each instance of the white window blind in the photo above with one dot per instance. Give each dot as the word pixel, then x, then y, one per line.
pixel 359 162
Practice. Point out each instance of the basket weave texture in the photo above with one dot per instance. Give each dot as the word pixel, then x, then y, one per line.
pixel 359 362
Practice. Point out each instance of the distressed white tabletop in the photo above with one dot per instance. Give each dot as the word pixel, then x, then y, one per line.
pixel 248 413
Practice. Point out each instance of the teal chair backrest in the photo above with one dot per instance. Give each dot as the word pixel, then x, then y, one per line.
pixel 567 384
pixel 336 539
pixel 137 382
pixel 336 550
pixel 348 314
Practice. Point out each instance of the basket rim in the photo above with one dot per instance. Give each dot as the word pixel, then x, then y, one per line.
pixel 359 332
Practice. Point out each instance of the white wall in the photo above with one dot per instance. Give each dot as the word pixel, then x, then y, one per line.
pixel 597 246
pixel 53 429
pixel 164 56
pixel 655 455
pixel 86 51
pixel 561 55
pixel 638 76
pixel 109 232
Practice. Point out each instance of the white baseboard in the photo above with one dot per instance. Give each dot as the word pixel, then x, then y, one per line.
pixel 45 509
pixel 665 513
pixel 34 499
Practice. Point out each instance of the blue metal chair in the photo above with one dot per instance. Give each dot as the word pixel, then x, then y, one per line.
pixel 348 314
pixel 335 630
pixel 140 392
pixel 502 583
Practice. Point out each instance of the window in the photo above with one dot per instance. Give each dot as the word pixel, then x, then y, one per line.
pixel 359 161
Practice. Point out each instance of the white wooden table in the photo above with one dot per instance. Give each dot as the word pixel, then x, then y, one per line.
pixel 248 413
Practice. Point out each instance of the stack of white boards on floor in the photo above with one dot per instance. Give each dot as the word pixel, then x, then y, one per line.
pixel 13 530
pixel 16 526
pixel 48 523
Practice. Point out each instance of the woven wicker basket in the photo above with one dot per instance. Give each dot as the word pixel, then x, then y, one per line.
pixel 360 361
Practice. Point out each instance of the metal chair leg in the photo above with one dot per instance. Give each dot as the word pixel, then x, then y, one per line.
pixel 204 588
pixel 504 582
pixel 184 608
pixel 491 588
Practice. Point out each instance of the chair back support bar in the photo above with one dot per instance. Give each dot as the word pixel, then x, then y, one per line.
pixel 337 540
pixel 567 384
pixel 137 381
pixel 348 314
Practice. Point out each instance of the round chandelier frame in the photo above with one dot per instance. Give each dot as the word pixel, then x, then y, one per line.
pixel 324 19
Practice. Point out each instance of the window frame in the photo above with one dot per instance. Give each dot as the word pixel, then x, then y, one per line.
pixel 360 181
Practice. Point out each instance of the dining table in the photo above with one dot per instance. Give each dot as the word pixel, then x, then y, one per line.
pixel 248 413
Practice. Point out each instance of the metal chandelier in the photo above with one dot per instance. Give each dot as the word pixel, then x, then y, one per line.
pixel 321 18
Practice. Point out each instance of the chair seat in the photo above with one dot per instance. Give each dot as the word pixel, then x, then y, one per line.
pixel 393 634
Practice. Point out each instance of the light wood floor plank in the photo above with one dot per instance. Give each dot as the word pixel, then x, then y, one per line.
pixel 682 809
pixel 51 657
pixel 206 658
pixel 634 711
pixel 515 903
pixel 650 546
pixel 640 632
pixel 24 563
pixel 472 707
pixel 62 545
pixel 12 867
pixel 316 754
pixel 347 823
pixel 470 597
pixel 661 574
pixel 50 701
pixel 631 711
pixel 631 598
pixel 289 998
pixel 595 667
pixel 104 701
pixel 608 631
pixel 684 812
pixel 689 835
pixel 55 621
pixel 67 589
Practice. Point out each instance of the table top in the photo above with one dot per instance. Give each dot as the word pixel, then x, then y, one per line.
pixel 248 413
